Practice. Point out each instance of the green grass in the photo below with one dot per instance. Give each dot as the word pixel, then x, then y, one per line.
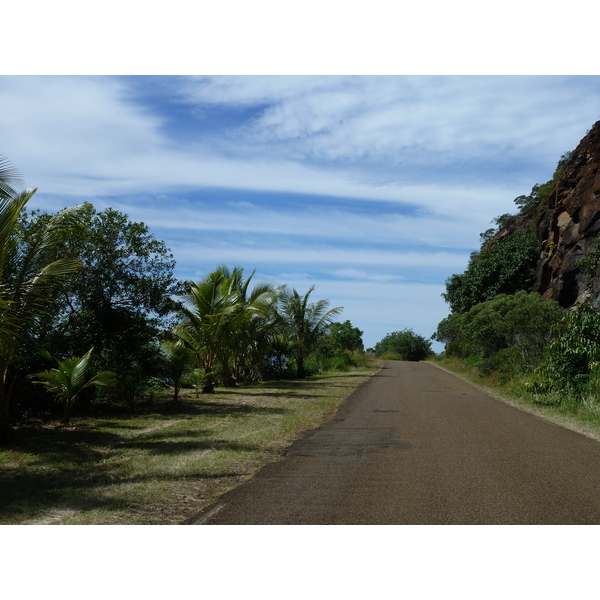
pixel 391 356
pixel 582 416
pixel 167 462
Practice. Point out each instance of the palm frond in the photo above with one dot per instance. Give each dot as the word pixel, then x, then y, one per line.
pixel 9 177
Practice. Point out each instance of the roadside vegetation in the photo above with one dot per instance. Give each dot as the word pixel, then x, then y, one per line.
pixel 169 461
pixel 114 375
pixel 507 337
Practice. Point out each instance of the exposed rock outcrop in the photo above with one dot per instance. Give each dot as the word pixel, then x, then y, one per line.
pixel 568 222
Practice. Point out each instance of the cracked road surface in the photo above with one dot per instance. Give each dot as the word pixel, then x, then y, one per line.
pixel 417 445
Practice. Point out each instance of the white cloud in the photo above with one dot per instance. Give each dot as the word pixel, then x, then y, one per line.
pixel 319 257
pixel 395 228
pixel 357 274
pixel 408 170
pixel 87 137
pixel 73 127
pixel 381 118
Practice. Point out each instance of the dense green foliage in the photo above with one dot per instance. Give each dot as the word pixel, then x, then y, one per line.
pixel 404 345
pixel 573 355
pixel 220 315
pixel 121 297
pixel 118 302
pixel 502 267
pixel 509 333
pixel 339 348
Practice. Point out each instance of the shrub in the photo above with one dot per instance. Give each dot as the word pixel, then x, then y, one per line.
pixel 575 352
pixel 510 333
pixel 405 344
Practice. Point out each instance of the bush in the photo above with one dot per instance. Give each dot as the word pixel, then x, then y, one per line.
pixel 510 333
pixel 405 344
pixel 574 354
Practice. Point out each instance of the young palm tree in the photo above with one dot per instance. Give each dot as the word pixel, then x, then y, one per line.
pixel 208 309
pixel 27 279
pixel 177 358
pixel 305 322
pixel 217 313
pixel 251 325
pixel 68 379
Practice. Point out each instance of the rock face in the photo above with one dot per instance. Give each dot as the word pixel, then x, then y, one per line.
pixel 568 223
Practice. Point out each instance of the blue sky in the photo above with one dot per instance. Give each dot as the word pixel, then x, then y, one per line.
pixel 373 188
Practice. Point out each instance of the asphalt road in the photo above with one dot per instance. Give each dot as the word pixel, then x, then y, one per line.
pixel 417 445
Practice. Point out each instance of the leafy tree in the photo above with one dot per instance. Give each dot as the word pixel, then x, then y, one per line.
pixel 406 344
pixel 337 349
pixel 343 336
pixel 503 267
pixel 279 352
pixel 120 300
pixel 68 380
pixel 29 276
pixel 305 322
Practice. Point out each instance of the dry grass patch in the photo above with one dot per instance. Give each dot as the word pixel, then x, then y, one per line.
pixel 166 463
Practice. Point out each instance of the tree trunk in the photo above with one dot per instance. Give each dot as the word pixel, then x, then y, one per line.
pixel 6 431
pixel 301 371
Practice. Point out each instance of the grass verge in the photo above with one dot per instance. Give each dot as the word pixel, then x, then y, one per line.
pixel 167 462
pixel 583 417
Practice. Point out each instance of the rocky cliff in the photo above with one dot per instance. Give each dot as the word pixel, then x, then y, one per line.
pixel 567 224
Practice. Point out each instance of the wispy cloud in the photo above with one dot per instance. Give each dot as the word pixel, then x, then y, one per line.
pixel 441 119
pixel 358 183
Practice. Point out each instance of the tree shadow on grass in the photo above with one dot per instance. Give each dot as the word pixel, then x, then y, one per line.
pixel 71 477
pixel 170 446
pixel 208 408
pixel 233 410
pixel 265 393
pixel 33 496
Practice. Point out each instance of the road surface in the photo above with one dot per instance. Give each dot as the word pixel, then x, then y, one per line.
pixel 417 445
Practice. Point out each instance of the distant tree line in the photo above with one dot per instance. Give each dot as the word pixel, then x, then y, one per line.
pixel 92 313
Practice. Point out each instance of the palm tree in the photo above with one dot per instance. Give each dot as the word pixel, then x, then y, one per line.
pixel 305 322
pixel 27 278
pixel 208 309
pixel 217 314
pixel 251 325
pixel 177 359
pixel 68 379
